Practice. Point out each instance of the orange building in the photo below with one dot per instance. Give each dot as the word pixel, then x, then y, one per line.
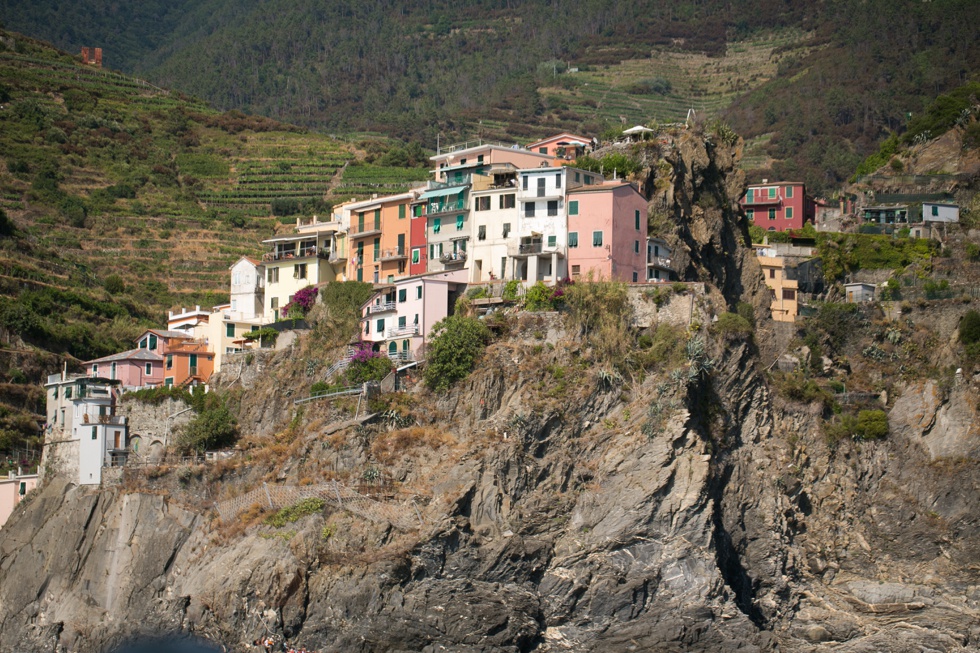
pixel 379 238
pixel 187 362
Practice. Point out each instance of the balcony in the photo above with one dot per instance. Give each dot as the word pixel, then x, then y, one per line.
pixel 403 331
pixel 396 254
pixel 762 200
pixel 450 258
pixel 366 231
pixel 659 262
pixel 331 255
pixel 400 356
pixel 445 207
pixel 300 252
pixel 109 420
pixel 384 307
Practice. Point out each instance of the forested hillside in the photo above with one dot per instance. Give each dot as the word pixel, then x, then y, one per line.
pixel 828 81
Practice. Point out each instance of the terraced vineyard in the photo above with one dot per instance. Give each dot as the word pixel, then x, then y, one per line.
pixel 361 181
pixel 696 81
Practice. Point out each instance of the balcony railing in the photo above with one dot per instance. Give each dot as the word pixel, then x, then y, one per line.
pixel 453 257
pixel 332 255
pixel 393 254
pixel 397 332
pixel 366 230
pixel 445 207
pixel 192 370
pixel 111 420
pixel 384 307
pixel 659 262
pixel 400 356
pixel 301 252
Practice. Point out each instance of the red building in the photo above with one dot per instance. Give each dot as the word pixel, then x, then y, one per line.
pixel 778 206
pixel 417 238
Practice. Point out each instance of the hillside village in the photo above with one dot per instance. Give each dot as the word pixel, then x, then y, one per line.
pixel 494 221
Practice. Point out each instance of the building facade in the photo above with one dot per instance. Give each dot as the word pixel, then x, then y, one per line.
pixel 778 206
pixel 607 232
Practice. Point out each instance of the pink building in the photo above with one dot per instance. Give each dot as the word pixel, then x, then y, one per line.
pixel 778 206
pixel 136 368
pixel 13 488
pixel 562 147
pixel 607 232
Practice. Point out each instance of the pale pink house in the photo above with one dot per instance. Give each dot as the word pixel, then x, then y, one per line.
pixel 562 147
pixel 607 232
pixel 399 317
pixel 136 368
pixel 13 488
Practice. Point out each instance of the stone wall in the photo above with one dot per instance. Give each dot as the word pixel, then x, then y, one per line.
pixel 678 309
pixel 151 427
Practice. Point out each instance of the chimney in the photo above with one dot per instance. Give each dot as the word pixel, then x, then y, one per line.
pixel 85 55
pixel 98 57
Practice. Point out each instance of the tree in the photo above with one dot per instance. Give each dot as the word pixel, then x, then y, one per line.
pixel 456 344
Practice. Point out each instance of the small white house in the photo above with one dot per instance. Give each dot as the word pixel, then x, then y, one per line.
pixel 940 212
pixel 857 293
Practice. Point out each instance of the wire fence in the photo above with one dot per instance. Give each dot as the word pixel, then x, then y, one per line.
pixel 403 516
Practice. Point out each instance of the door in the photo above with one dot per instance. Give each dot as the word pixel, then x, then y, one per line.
pixel 392 348
pixel 401 244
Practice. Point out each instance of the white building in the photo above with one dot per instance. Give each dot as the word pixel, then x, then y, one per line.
pixel 659 265
pixel 940 212
pixel 83 434
pixel 247 289
pixel 493 199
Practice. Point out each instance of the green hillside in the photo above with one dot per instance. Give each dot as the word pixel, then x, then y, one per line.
pixel 120 200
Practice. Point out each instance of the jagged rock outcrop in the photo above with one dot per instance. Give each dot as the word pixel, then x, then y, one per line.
pixel 566 507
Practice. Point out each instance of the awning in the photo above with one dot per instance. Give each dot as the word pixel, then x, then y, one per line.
pixel 441 192
pixel 290 239
pixel 639 129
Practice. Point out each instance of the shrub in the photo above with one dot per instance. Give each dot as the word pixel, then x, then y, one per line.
pixel 113 284
pixel 540 297
pixel 296 512
pixel 367 365
pixel 265 335
pixel 455 345
pixel 970 328
pixel 732 326
pixel 871 424
pixel 511 290
pixel 214 426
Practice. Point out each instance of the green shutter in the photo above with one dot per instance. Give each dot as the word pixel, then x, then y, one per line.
pixel 459 223
pixel 401 211
pixel 573 207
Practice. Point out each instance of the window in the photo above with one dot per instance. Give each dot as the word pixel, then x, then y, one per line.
pixel 772 214
pixel 789 294
pixel 523 182
pixel 636 219
pixel 416 255
pixel 541 182
pixel 380 326
pixel 573 239
pixel 552 241
pixel 193 363
pixel 789 212
pixel 635 277
pixel 459 223
pixel 402 322
pixel 170 361
pixel 367 327
pixel 934 210
pixel 274 303
pixel 95 368
pixel 68 392
pixel 112 371
pixel 750 214
pixel 169 381
pixel 597 239
pixel 95 432
pixel 588 180
pixel 230 330
pixel 558 180
pixel 529 210
pixel 553 207
pixel 418 292
pixel 479 158
pixel 789 192
pixel 636 247
pixel 578 177
pixel 402 295
pixel 401 211
pixel 573 207
pixel 508 201
pixel 506 229
pixel 436 225
pixel 23 488
pixel 576 270
pixel 377 218
pixel 299 271
pixel 149 369
pixel 482 203
pixel 481 232
pixel 772 192
pixel 772 273
pixel 153 342
pixel 542 150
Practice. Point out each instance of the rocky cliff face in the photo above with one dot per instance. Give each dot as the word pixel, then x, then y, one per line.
pixel 566 507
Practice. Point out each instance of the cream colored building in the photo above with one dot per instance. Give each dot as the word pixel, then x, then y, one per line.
pixel 785 291
pixel 315 254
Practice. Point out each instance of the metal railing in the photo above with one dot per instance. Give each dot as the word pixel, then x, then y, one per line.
pixel 113 420
pixel 301 252
pixel 453 257
pixel 409 330
pixel 384 307
pixel 660 262
pixel 393 254
pixel 347 392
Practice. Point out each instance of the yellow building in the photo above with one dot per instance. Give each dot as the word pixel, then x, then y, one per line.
pixel 316 254
pixel 785 292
